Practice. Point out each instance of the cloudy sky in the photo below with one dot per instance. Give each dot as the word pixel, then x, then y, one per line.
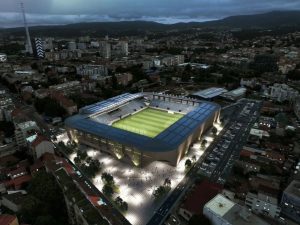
pixel 165 11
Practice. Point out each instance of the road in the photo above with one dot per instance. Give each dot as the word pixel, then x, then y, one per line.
pixel 31 114
pixel 235 117
pixel 221 169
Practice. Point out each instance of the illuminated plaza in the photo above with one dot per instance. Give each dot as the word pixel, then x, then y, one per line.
pixel 136 184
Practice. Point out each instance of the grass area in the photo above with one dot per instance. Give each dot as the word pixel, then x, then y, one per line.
pixel 148 122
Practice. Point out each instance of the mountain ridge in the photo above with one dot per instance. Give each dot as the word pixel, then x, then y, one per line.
pixel 262 20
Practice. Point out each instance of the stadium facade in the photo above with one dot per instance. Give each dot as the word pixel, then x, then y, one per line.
pixel 93 126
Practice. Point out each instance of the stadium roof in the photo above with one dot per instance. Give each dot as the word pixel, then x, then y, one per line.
pixel 109 103
pixel 210 93
pixel 168 140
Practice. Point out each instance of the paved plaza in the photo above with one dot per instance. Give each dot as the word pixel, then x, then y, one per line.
pixel 137 184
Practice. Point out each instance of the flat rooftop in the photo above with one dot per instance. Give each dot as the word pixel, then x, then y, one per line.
pixel 233 213
pixel 293 189
pixel 220 205
pixel 209 93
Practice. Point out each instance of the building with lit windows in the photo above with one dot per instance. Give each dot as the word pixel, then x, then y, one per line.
pixel 290 201
pixel 144 127
pixel 263 203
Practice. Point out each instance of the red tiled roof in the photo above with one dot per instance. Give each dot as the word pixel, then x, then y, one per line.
pixel 17 171
pixel 17 182
pixel 246 153
pixel 201 194
pixel 6 219
pixel 16 112
pixel 48 156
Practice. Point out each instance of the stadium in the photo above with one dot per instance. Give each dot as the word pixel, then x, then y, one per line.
pixel 144 127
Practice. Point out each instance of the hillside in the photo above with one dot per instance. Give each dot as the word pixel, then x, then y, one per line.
pixel 276 19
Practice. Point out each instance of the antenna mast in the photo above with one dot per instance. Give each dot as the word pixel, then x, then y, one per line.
pixel 29 45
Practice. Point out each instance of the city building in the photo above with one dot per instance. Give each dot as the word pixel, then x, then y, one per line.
pixel 124 78
pixel 68 104
pixel 80 209
pixel 67 88
pixel 25 131
pixel 173 60
pixel 297 107
pixel 264 204
pixel 41 93
pixel 81 45
pixel 235 94
pixel 40 146
pixel 39 48
pixel 6 219
pixel 72 46
pixel 94 72
pixel 3 57
pixel 282 92
pixel 105 49
pixel 120 49
pixel 197 198
pixel 13 200
pixel 170 124
pixel 222 211
pixel 169 60
pixel 209 94
pixel 5 104
pixel 290 201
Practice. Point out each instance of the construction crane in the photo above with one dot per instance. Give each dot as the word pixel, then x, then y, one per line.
pixel 29 45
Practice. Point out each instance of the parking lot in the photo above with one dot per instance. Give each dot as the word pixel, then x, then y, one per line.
pixel 222 155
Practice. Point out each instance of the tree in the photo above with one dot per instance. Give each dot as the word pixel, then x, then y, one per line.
pixel 49 107
pixel 125 206
pixel 108 190
pixel 188 163
pixel 214 131
pixel 30 208
pixel 44 195
pixel 66 149
pixel 77 160
pixel 89 160
pixel 122 205
pixel 8 128
pixel 118 201
pixel 194 158
pixel 160 192
pixel 114 81
pixel 82 155
pixel 92 169
pixel 290 133
pixel 203 143
pixel 199 220
pixel 45 220
pixel 108 178
pixel 264 63
pixel 167 182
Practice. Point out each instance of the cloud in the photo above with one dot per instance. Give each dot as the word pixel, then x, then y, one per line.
pixel 166 11
pixel 16 19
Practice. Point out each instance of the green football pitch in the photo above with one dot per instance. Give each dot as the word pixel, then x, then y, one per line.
pixel 148 122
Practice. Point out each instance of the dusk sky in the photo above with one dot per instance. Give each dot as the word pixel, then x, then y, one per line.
pixel 164 11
